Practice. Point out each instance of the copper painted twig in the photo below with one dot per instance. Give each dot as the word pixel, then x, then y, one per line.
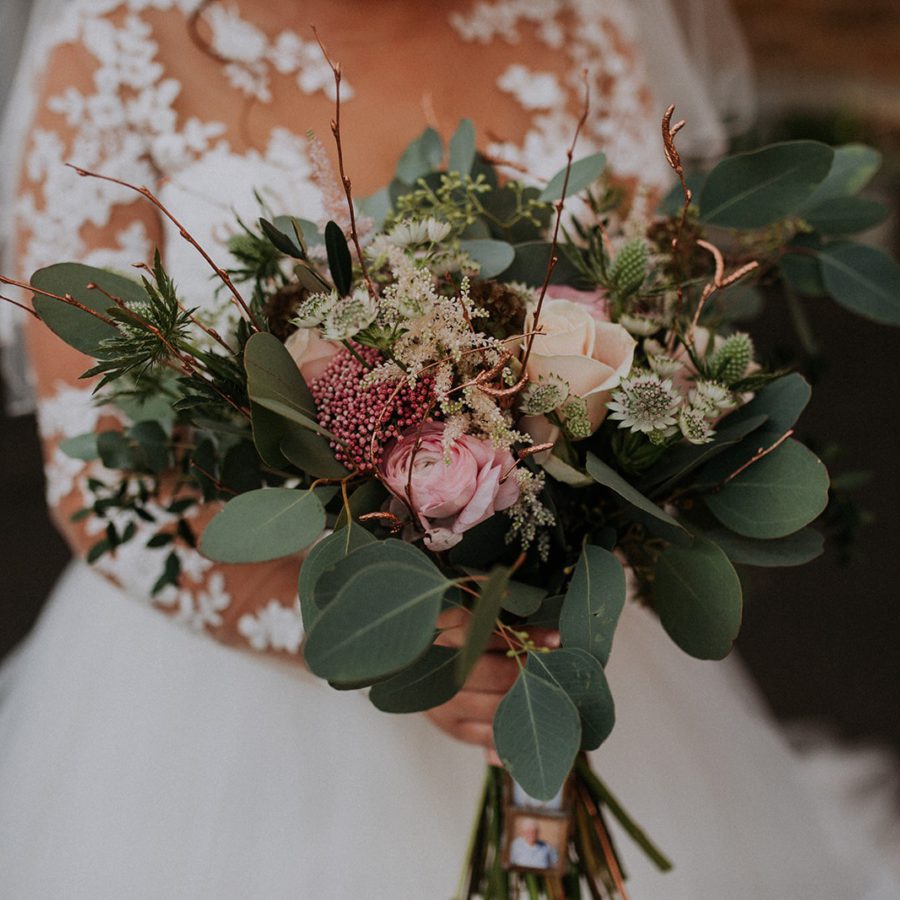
pixel 762 452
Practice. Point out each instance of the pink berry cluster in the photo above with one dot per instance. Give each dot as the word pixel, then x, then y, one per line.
pixel 353 412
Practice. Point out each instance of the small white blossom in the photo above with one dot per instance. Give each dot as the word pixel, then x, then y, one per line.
pixel 349 316
pixel 711 398
pixel 410 232
pixel 545 395
pixel 695 426
pixel 314 309
pixel 646 403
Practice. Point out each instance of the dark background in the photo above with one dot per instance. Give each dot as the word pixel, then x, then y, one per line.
pixel 822 641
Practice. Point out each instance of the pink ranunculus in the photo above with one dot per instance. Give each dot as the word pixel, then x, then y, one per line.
pixel 311 353
pixel 450 492
pixel 597 301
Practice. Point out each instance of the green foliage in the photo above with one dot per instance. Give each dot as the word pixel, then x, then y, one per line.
pixel 775 496
pixel 582 174
pixel 428 682
pixel 608 477
pixel 846 215
pixel 863 279
pixel 537 733
pixel 582 677
pixel 697 595
pixel 380 620
pixel 729 362
pixel 494 257
pixel 323 556
pixel 339 261
pixel 755 189
pixel 852 168
pixel 482 623
pixel 795 549
pixel 462 148
pixel 593 603
pixel 422 156
pixel 79 329
pixel 629 269
pixel 265 524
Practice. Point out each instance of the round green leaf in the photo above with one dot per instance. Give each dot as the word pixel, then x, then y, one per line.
pixel 494 257
pixel 846 215
pixel 428 682
pixel 262 525
pixel 462 148
pixel 593 602
pixel 697 596
pixel 793 550
pixel 380 621
pixel 582 677
pixel 863 279
pixel 751 190
pixel 582 174
pixel 851 170
pixel 323 557
pixel 775 496
pixel 537 733
pixel 79 329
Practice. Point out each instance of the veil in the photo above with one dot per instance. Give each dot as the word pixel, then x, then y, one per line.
pixel 694 54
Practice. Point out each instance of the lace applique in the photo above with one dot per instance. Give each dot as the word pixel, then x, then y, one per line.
pixel 598 37
pixel 274 627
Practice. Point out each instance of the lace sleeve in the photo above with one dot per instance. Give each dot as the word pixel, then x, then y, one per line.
pixel 109 110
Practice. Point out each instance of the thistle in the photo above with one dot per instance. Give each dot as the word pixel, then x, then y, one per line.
pixel 729 362
pixel 629 268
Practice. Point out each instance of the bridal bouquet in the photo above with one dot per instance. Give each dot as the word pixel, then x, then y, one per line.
pixel 511 405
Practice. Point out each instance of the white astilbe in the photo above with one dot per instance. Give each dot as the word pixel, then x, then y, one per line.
pixel 488 419
pixel 528 515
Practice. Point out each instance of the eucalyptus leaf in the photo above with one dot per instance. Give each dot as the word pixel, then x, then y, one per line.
pixel 275 382
pixel 422 156
pixel 684 459
pixel 537 733
pixel 530 266
pixel 263 525
pixel 782 402
pixel 608 477
pixel 430 681
pixel 79 329
pixel 380 621
pixel 755 189
pixel 697 596
pixel 151 447
pixel 846 215
pixel 593 603
pixel 583 173
pixel 851 170
pixel 863 279
pixel 582 677
pixel 376 207
pixel 523 599
pixel 494 257
pixel 483 620
pixel 340 263
pixel 795 549
pixel 323 557
pixel 462 148
pixel 329 583
pixel 81 446
pixel 775 496
pixel 310 452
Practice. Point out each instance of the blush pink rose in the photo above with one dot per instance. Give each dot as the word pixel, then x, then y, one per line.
pixel 450 491
pixel 310 352
pixel 596 301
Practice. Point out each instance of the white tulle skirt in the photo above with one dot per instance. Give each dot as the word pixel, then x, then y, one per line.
pixel 138 760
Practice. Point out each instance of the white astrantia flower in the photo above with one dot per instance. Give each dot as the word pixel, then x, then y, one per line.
pixel 660 362
pixel 695 426
pixel 314 309
pixel 544 395
pixel 349 316
pixel 711 398
pixel 646 403
pixel 643 326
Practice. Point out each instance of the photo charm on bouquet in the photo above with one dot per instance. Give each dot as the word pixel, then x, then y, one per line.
pixel 485 406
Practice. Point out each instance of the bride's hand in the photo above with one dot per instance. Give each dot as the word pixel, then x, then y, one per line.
pixel 469 715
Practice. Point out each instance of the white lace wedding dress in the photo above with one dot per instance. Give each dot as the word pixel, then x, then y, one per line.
pixel 138 758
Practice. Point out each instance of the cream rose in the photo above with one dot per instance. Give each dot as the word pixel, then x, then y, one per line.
pixel 310 352
pixel 589 354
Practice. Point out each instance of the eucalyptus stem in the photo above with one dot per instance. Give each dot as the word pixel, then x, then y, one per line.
pixel 603 795
pixel 469 863
pixel 801 324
